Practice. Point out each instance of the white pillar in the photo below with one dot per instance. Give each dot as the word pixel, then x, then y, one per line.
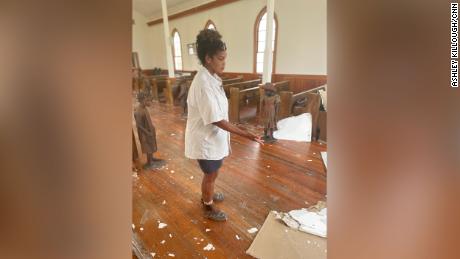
pixel 268 55
pixel 169 57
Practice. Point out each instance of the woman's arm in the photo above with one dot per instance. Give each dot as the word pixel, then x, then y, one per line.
pixel 225 125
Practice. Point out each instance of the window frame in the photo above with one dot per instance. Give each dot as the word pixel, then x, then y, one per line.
pixel 174 31
pixel 209 22
pixel 256 40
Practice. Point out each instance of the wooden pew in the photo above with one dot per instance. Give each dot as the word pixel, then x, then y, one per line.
pixel 288 99
pixel 242 85
pixel 238 98
pixel 232 80
pixel 248 93
pixel 162 84
pixel 180 80
pixel 313 102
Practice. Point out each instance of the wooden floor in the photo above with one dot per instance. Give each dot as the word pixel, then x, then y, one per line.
pixel 283 176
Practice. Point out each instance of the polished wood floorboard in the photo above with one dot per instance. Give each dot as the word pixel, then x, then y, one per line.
pixel 282 176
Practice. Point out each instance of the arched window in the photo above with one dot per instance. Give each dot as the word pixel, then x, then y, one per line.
pixel 177 50
pixel 259 40
pixel 210 25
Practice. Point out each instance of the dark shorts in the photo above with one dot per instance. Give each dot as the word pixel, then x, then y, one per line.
pixel 210 166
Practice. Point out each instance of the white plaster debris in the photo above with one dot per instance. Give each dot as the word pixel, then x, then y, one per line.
pixel 252 230
pixel 202 240
pixel 164 202
pixel 195 238
pixel 133 226
pixel 268 166
pixel 161 225
pixel 191 177
pixel 170 235
pixel 297 128
pixel 237 237
pixel 141 229
pixel 324 156
pixel 209 247
pixel 153 255
pixel 135 175
pixel 172 255
pixel 172 171
pixel 162 242
pixel 309 160
pixel 207 230
pixel 307 221
pixel 172 134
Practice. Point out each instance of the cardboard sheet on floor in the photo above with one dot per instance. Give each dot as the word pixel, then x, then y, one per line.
pixel 275 240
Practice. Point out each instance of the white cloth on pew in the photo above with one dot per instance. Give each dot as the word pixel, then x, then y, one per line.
pixel 297 128
pixel 323 94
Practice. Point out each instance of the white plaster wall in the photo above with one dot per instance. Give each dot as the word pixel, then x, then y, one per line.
pixel 142 41
pixel 232 22
pixel 301 36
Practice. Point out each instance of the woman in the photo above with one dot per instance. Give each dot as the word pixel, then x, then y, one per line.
pixel 207 135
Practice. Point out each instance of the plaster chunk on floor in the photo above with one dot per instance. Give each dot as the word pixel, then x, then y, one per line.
pixel 297 128
pixel 312 220
pixel 209 247
pixel 162 225
pixel 252 230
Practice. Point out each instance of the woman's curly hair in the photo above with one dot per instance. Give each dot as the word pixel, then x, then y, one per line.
pixel 208 42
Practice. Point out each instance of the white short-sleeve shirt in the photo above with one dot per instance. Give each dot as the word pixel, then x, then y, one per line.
pixel 207 103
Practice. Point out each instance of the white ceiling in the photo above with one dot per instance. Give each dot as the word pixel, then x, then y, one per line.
pixel 152 8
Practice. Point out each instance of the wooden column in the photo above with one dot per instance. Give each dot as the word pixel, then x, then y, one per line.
pixel 285 104
pixel 154 89
pixel 261 97
pixel 168 91
pixel 234 105
pixel 312 107
pixel 322 125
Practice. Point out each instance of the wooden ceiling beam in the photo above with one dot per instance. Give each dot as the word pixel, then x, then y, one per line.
pixel 193 10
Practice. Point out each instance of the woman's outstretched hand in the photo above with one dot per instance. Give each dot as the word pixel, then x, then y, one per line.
pixel 255 138
pixel 225 125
